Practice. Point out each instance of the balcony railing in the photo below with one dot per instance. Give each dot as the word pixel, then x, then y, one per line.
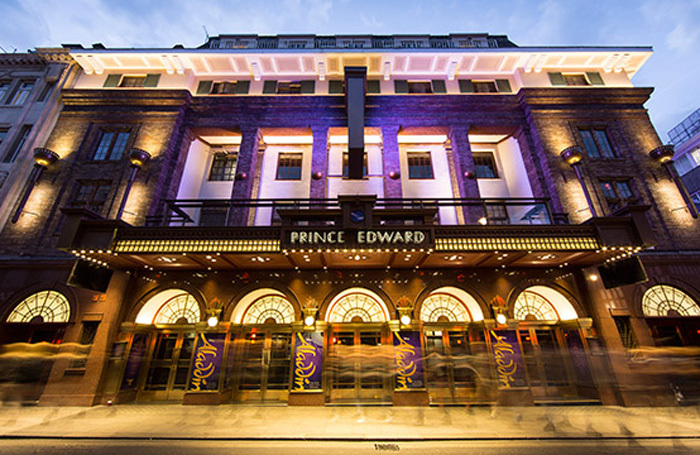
pixel 323 212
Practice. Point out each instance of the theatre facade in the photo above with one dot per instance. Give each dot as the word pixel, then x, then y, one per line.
pixel 307 220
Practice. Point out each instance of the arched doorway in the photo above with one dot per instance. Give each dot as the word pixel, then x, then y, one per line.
pixel 673 317
pixel 553 347
pixel 360 349
pixel 456 362
pixel 31 336
pixel 263 348
pixel 166 340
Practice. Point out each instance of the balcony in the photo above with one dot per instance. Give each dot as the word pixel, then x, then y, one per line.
pixel 328 212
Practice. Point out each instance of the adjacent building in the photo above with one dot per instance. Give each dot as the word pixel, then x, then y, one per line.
pixel 318 220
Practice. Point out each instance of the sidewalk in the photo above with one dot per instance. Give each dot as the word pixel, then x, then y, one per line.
pixel 173 421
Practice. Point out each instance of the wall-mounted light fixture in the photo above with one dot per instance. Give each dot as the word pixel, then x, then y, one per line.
pixel 43 158
pixel 318 175
pixel 394 175
pixel 664 156
pixel 471 175
pixel 572 156
pixel 310 318
pixel 138 159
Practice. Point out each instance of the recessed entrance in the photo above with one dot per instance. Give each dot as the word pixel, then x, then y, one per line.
pixel 359 364
pixel 264 357
pixel 169 366
pixel 456 365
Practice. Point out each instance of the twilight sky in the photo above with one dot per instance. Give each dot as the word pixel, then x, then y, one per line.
pixel 671 27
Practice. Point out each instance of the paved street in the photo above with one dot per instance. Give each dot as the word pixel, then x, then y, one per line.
pixel 347 423
pixel 494 447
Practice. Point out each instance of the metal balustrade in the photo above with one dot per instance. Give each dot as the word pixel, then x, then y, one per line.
pixel 325 212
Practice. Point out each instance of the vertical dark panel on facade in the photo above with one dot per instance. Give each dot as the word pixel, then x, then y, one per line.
pixel 319 162
pixel 355 78
pixel 391 161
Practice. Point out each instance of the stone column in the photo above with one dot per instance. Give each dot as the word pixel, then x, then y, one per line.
pixel 391 161
pixel 463 163
pixel 319 163
pixel 244 182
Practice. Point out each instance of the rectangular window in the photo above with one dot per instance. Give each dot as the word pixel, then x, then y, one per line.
pixel 11 155
pixel 87 338
pixel 295 87
pixel 485 166
pixel 4 88
pixel 48 87
pixel 346 166
pixel 133 81
pixel 229 88
pixel 497 214
pixel 484 87
pixel 420 165
pixel 420 87
pixel 112 145
pixel 596 143
pixel 289 166
pixel 618 193
pixel 21 93
pixel 575 80
pixel 92 194
pixel 223 167
pixel 3 135
pixel 624 328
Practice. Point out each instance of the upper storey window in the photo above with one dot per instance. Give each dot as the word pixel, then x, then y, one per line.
pixel 289 88
pixel 21 93
pixel 289 166
pixel 596 143
pixel 575 79
pixel 346 165
pixel 223 167
pixel 419 87
pixel 482 86
pixel 618 193
pixel 223 88
pixel 132 81
pixel 112 145
pixel 420 165
pixel 4 89
pixel 485 166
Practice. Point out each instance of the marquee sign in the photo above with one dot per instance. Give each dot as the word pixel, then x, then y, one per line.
pixel 400 237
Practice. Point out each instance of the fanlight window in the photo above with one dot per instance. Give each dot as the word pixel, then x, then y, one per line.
pixel 180 309
pixel 662 300
pixel 444 308
pixel 531 306
pixel 357 307
pixel 44 306
pixel 270 309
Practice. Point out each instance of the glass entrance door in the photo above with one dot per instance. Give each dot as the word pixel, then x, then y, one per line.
pixel 169 366
pixel 454 361
pixel 548 369
pixel 359 365
pixel 264 364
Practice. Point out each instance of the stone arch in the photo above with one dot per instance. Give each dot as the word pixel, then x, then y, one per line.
pixel 664 300
pixel 450 304
pixel 264 305
pixel 18 297
pixel 237 304
pixel 541 302
pixel 357 304
pixel 170 306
